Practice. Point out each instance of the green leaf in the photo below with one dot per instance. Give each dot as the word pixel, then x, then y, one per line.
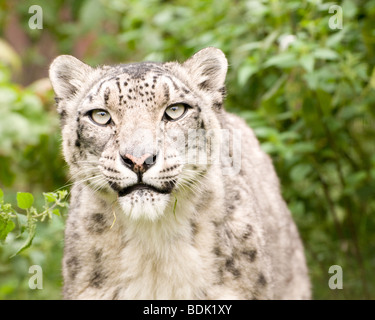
pixel 24 200
pixel 282 60
pixel 1 195
pixel 6 226
pixel 56 212
pixel 300 172
pixel 307 62
pixel 50 197
pixel 303 147
pixel 265 132
pixel 325 54
pixel 31 228
pixel 245 72
pixel 62 193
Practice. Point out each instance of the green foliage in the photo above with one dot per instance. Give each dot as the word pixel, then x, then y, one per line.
pixel 29 135
pixel 25 201
pixel 307 90
pixel 26 239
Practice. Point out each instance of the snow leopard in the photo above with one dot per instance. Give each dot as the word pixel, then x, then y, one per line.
pixel 172 196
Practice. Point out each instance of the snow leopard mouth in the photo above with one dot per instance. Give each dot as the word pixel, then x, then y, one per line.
pixel 144 187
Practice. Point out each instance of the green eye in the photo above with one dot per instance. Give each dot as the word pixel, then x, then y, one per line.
pixel 100 117
pixel 175 112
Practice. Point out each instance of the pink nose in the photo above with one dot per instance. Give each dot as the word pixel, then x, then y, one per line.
pixel 139 164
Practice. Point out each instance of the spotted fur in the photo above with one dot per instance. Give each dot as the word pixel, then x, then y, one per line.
pixel 212 229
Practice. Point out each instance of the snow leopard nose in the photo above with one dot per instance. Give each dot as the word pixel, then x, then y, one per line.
pixel 139 164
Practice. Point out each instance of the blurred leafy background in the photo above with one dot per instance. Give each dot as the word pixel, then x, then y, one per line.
pixel 307 89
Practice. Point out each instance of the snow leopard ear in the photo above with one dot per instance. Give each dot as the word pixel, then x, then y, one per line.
pixel 208 69
pixel 67 75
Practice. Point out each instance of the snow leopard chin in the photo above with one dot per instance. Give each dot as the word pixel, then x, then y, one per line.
pixel 148 206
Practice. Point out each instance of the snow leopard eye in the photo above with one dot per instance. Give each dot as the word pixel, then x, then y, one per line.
pixel 175 112
pixel 100 117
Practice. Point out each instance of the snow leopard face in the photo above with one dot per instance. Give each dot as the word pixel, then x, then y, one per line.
pixel 141 132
